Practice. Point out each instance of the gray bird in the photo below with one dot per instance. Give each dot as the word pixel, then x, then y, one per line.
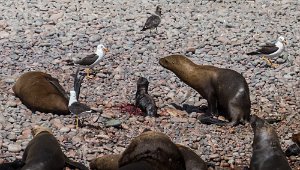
pixel 154 20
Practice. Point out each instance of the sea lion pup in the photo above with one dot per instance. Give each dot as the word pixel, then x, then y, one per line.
pixel 192 160
pixel 152 151
pixel 225 90
pixel 107 162
pixel 15 165
pixel 295 148
pixel 143 100
pixel 267 153
pixel 44 153
pixel 39 91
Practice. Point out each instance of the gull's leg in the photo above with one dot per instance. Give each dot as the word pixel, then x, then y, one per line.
pixel 88 72
pixel 269 62
pixel 76 121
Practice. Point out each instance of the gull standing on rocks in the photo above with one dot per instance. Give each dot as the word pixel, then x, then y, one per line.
pixel 271 50
pixel 75 107
pixel 154 20
pixel 93 59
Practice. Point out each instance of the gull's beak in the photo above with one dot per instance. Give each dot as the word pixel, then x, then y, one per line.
pixel 105 50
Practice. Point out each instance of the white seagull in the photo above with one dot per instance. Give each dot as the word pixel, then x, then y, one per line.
pixel 91 60
pixel 271 50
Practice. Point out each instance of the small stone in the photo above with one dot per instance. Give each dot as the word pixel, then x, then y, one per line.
pixel 65 130
pixel 14 148
pixel 113 123
pixel 94 38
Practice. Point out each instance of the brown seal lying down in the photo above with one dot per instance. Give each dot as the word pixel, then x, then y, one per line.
pixel 153 151
pixel 110 162
pixel 143 100
pixel 39 91
pixel 44 153
pixel 295 148
pixel 107 162
pixel 225 90
pixel 267 153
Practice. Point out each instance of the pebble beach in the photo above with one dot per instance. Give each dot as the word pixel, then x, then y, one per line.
pixel 42 35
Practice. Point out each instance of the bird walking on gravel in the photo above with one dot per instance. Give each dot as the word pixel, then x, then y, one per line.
pixel 271 50
pixel 153 21
pixel 75 107
pixel 91 60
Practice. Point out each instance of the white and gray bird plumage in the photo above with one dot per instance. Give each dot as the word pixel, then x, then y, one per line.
pixel 93 59
pixel 154 20
pixel 75 107
pixel 271 50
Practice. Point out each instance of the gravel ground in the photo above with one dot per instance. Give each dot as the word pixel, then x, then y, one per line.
pixel 43 34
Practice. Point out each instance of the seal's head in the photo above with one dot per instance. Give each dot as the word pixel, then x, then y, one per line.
pixel 175 62
pixel 39 129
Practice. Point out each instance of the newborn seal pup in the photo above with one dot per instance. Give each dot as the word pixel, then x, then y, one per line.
pixel 152 151
pixel 295 148
pixel 107 162
pixel 225 90
pixel 143 100
pixel 267 153
pixel 39 91
pixel 44 153
pixel 192 160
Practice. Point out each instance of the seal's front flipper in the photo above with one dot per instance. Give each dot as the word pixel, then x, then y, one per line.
pixel 72 164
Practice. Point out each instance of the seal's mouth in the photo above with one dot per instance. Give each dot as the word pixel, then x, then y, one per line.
pixel 163 62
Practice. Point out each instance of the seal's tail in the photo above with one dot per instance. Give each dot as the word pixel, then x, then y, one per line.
pixel 73 164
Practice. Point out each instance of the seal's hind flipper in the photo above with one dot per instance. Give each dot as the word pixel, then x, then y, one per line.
pixel 208 120
pixel 72 164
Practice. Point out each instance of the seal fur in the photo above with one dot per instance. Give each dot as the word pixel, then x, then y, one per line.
pixel 152 150
pixel 267 153
pixel 107 162
pixel 39 91
pixel 225 90
pixel 44 152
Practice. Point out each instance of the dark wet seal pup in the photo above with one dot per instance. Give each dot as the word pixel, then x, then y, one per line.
pixel 39 91
pixel 294 149
pixel 192 160
pixel 143 100
pixel 107 162
pixel 154 151
pixel 15 165
pixel 44 153
pixel 225 90
pixel 267 153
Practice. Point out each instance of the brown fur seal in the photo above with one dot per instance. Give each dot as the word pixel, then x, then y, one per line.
pixel 152 151
pixel 40 92
pixel 267 153
pixel 225 90
pixel 107 162
pixel 295 148
pixel 15 165
pixel 192 160
pixel 44 153
pixel 143 100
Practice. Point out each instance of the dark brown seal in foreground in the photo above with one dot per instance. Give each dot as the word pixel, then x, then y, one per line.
pixel 143 100
pixel 295 148
pixel 107 162
pixel 192 160
pixel 39 91
pixel 267 153
pixel 44 153
pixel 152 151
pixel 225 90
